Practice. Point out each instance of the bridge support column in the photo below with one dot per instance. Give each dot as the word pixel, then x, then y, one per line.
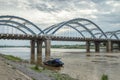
pixel 119 46
pixel 39 52
pixel 47 49
pixel 32 60
pixel 97 47
pixel 109 46
pixel 88 48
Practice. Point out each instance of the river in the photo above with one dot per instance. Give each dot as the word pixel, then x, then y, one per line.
pixel 77 64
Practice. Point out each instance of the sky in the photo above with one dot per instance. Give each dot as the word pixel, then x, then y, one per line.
pixel 105 13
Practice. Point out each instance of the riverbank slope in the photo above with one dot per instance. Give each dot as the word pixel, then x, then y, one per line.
pixel 15 68
pixel 8 72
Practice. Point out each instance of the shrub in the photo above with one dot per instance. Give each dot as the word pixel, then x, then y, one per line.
pixel 104 77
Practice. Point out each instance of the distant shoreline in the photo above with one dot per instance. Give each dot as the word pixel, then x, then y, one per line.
pixel 57 46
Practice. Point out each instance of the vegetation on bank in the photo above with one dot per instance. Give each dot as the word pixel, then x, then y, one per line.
pixel 10 46
pixel 59 76
pixel 104 77
pixel 13 58
pixel 36 68
pixel 70 46
pixel 53 74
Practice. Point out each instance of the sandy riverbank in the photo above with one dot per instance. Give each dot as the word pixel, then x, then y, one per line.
pixel 15 70
pixel 22 70
pixel 8 72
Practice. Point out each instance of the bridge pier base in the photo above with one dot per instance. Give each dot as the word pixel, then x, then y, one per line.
pixel 109 46
pixel 97 47
pixel 88 48
pixel 119 46
pixel 39 52
pixel 32 56
pixel 47 49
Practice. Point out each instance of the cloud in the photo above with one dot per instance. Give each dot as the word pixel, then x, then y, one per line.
pixel 48 12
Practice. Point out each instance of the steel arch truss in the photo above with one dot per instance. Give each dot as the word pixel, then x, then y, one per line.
pixel 20 24
pixel 76 24
pixel 112 34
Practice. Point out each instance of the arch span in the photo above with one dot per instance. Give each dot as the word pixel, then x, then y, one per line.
pixel 14 27
pixel 80 22
pixel 115 34
pixel 111 34
pixel 21 23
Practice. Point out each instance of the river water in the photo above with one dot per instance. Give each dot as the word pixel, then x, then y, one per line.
pixel 77 64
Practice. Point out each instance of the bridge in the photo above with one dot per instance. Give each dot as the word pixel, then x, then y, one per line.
pixel 77 30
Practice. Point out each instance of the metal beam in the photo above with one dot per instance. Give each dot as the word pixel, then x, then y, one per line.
pixel 14 27
pixel 19 18
pixel 21 25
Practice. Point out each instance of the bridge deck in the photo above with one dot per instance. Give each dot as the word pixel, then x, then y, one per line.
pixel 54 38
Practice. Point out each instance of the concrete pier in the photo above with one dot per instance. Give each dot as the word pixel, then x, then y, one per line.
pixel 39 52
pixel 97 47
pixel 47 49
pixel 109 46
pixel 32 60
pixel 119 46
pixel 88 48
